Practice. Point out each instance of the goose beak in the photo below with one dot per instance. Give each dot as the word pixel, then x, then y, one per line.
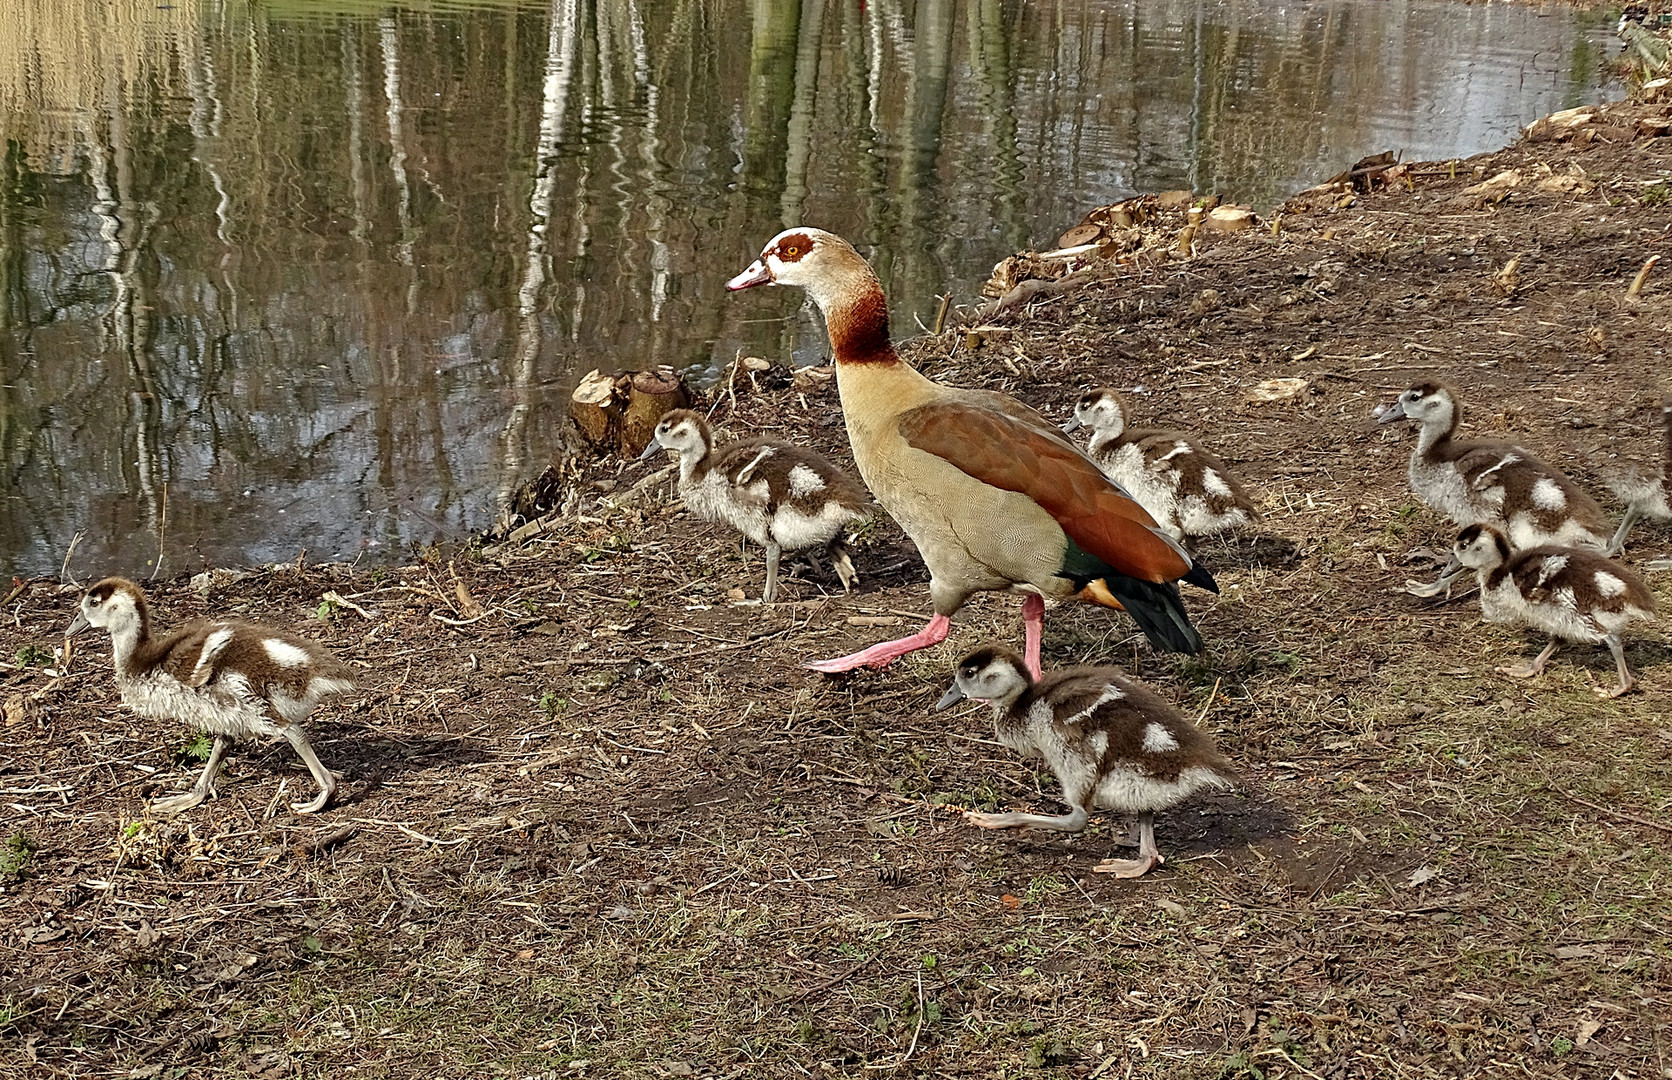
pixel 651 449
pixel 952 696
pixel 757 274
pixel 1072 424
pixel 77 626
pixel 1395 412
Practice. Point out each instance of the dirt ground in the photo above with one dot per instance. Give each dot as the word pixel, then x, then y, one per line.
pixel 597 820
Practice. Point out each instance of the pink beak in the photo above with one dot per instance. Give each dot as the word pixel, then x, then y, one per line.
pixel 757 274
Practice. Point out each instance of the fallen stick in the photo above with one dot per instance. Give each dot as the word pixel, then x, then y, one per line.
pixel 1636 289
pixel 1633 818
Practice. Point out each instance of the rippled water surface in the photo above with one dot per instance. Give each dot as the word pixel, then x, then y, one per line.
pixel 319 273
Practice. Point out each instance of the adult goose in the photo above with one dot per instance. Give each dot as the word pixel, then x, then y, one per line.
pixel 990 491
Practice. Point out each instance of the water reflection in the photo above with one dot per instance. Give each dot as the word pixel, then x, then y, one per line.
pixel 316 273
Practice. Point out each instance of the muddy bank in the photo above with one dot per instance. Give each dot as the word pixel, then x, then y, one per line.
pixel 597 821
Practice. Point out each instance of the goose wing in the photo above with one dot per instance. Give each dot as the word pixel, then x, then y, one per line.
pixel 1016 450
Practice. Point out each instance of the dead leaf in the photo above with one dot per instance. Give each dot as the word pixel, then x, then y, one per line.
pixel 1420 875
pixel 1171 906
pixel 1010 902
pixel 1277 389
pixel 146 936
pixel 42 935
pixel 18 710
pixel 1498 188
pixel 1587 1028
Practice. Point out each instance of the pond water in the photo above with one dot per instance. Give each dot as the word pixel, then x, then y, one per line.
pixel 318 274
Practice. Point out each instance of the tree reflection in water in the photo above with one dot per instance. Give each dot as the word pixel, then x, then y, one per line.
pixel 319 271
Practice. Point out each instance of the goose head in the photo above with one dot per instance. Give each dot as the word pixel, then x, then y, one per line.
pixel 1102 410
pixel 1430 404
pixel 821 262
pixel 991 673
pixel 1481 547
pixel 114 604
pixel 681 432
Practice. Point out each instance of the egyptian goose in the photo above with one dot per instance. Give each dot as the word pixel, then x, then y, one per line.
pixel 1112 742
pixel 235 680
pixel 1187 490
pixel 1570 594
pixel 1646 496
pixel 1487 482
pixel 783 497
pixel 991 492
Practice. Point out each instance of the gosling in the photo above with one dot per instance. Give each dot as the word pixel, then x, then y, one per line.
pixel 783 497
pixel 1111 741
pixel 1570 594
pixel 234 680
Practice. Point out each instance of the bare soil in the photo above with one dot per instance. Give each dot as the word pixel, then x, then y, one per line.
pixel 597 820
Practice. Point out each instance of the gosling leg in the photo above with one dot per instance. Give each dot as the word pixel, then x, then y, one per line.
pixel 1529 670
pixel 322 776
pixel 1626 523
pixel 1073 821
pixel 773 554
pixel 205 786
pixel 842 564
pixel 1627 679
pixel 1149 856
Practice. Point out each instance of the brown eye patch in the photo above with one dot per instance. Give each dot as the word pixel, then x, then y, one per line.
pixel 793 246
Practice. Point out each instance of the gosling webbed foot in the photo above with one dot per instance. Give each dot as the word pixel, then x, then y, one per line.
pixel 175 804
pixel 1129 868
pixel 319 802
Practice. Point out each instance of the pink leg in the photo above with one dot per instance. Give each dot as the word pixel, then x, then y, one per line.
pixel 1033 630
pixel 878 655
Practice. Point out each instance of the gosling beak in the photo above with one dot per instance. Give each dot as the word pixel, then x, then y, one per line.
pixel 77 626
pixel 757 274
pixel 650 450
pixel 950 698
pixel 1072 424
pixel 1395 412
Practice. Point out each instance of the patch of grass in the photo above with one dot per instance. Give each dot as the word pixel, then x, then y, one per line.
pixel 32 656
pixel 15 855
pixel 197 748
pixel 1656 194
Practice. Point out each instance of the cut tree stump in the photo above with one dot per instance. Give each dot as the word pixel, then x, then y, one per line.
pixel 651 395
pixel 597 410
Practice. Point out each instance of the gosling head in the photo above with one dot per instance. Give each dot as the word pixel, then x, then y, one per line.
pixel 991 673
pixel 114 604
pixel 681 432
pixel 1481 547
pixel 1103 410
pixel 1428 403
